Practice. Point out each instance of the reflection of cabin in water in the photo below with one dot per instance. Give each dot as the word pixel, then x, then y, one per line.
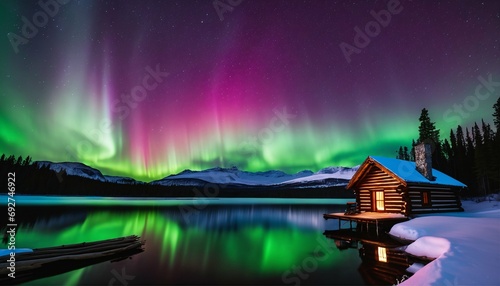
pixel 397 186
pixel 383 260
pixel 381 265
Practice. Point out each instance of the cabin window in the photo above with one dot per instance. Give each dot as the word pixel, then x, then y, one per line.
pixel 426 199
pixel 379 201
pixel 382 254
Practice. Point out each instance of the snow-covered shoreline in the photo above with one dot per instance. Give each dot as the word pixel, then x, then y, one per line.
pixel 466 245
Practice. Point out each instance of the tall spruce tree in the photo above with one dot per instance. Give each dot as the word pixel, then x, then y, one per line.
pixel 453 153
pixel 447 157
pixel 496 145
pixel 400 155
pixel 427 129
pixel 403 153
pixel 412 152
pixel 406 155
pixel 489 150
pixel 447 150
pixel 496 115
pixel 428 133
pixel 480 161
pixel 27 161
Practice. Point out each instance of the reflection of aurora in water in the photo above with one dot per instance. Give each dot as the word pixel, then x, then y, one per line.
pixel 220 243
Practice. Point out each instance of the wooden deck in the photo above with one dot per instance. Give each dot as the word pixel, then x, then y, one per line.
pixel 350 235
pixel 378 219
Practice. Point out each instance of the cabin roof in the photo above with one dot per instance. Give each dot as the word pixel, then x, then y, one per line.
pixel 406 171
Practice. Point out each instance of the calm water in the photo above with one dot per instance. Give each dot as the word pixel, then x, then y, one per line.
pixel 218 241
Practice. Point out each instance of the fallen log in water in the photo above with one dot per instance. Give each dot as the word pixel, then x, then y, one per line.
pixel 44 262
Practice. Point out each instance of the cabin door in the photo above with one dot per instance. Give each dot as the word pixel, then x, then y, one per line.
pixel 378 203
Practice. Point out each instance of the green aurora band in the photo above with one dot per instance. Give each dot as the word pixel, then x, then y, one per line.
pixel 222 103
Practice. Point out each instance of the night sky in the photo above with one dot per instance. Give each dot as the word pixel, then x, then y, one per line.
pixel 150 88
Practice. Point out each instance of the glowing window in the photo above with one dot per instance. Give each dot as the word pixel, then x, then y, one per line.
pixel 425 198
pixel 379 200
pixel 382 254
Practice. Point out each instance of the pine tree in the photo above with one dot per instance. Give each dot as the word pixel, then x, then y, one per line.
pixel 460 141
pixel 496 145
pixel 11 160
pixel 452 156
pixel 453 142
pixel 405 154
pixel 489 153
pixel 400 155
pixel 478 138
pixel 480 163
pixel 496 115
pixel 412 153
pixel 427 129
pixel 469 143
pixel 447 157
pixel 461 167
pixel 27 161
pixel 427 133
pixel 469 161
pixel 488 134
pixel 447 150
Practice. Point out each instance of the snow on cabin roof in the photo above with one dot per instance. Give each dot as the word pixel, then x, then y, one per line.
pixel 406 170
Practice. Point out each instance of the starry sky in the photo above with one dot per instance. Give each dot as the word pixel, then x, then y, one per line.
pixel 150 88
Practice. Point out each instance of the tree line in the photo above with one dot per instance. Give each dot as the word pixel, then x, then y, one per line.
pixel 41 180
pixel 470 155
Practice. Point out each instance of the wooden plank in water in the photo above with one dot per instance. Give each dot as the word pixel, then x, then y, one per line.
pixel 38 262
pixel 112 240
pixel 74 252
pixel 63 266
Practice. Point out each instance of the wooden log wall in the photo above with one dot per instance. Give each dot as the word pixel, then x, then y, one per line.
pixel 441 199
pixel 377 180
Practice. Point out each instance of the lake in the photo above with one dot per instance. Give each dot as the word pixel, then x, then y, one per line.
pixel 195 241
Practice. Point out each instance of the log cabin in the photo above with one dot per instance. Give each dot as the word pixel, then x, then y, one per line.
pixel 409 188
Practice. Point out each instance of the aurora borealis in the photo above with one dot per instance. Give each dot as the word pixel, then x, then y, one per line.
pixel 150 88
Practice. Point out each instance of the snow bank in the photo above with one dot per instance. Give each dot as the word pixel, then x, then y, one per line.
pixel 466 246
pixel 429 246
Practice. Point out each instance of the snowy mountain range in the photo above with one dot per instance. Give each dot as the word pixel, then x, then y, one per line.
pixel 233 177
pixel 82 170
pixel 327 177
pixel 73 169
